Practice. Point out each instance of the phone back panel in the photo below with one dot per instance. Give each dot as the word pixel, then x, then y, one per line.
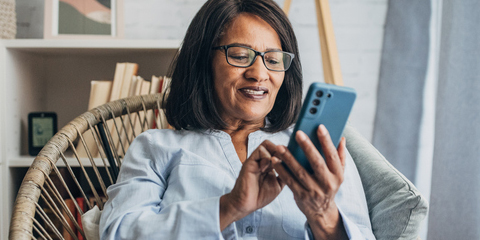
pixel 325 104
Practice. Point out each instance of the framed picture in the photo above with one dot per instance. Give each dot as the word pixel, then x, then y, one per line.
pixel 41 127
pixel 83 19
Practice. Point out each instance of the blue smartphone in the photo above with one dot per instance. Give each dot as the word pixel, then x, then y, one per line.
pixel 325 104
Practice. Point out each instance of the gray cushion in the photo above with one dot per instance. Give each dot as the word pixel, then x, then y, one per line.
pixel 395 206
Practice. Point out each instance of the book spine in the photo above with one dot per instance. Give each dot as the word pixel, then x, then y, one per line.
pixel 81 203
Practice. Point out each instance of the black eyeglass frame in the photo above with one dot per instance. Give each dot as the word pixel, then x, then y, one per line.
pixel 257 53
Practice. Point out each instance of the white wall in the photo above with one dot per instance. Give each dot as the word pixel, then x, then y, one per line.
pixel 358 28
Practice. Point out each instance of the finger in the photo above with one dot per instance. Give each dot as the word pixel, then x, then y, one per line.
pixel 298 172
pixel 272 174
pixel 269 146
pixel 263 165
pixel 259 154
pixel 280 182
pixel 329 150
pixel 263 153
pixel 311 152
pixel 285 177
pixel 342 152
pixel 258 161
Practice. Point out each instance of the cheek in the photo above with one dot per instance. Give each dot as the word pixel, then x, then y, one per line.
pixel 278 81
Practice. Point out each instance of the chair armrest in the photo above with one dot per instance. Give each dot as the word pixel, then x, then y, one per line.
pixel 395 205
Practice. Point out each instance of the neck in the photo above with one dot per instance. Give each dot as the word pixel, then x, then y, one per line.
pixel 239 133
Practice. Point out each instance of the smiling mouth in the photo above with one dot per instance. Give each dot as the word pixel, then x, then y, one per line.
pixel 254 93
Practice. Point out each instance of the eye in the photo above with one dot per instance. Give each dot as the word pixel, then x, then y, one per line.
pixel 273 59
pixel 239 55
pixel 239 58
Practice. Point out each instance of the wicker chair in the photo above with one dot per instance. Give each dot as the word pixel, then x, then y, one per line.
pixel 396 207
pixel 29 220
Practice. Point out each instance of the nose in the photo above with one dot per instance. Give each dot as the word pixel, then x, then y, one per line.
pixel 257 71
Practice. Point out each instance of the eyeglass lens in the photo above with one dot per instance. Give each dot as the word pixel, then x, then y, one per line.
pixel 243 57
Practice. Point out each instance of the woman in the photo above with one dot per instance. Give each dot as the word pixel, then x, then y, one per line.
pixel 235 92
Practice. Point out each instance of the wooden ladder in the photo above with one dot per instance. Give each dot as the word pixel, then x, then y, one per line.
pixel 330 61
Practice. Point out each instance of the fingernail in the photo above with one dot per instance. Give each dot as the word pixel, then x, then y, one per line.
pixel 276 160
pixel 301 135
pixel 323 129
pixel 281 149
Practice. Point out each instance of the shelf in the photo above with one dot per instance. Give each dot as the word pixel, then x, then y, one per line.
pixel 100 44
pixel 26 161
pixel 54 75
pixel 116 48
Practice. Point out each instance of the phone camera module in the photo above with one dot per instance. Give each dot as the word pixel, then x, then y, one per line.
pixel 319 93
pixel 313 110
pixel 316 102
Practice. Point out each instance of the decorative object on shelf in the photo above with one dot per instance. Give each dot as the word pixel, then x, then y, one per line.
pixel 41 127
pixel 83 19
pixel 8 20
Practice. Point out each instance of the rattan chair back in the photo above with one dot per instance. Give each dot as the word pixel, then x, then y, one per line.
pixel 40 207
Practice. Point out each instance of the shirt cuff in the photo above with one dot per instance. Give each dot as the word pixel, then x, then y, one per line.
pixel 353 232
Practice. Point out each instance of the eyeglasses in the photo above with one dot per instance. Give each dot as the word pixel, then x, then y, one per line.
pixel 241 56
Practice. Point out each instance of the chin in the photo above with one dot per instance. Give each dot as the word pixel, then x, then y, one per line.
pixel 254 117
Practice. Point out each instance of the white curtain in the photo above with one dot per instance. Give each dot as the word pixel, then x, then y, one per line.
pixel 428 122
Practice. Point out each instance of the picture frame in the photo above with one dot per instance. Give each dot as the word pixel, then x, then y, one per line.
pixel 41 128
pixel 85 19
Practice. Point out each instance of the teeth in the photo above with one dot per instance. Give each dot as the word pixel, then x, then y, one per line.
pixel 253 92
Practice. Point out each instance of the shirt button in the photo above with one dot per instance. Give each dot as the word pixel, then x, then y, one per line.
pixel 249 229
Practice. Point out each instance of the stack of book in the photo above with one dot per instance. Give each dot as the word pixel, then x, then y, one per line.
pixel 125 83
pixel 72 215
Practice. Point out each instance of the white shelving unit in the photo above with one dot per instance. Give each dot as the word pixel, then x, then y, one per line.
pixel 55 75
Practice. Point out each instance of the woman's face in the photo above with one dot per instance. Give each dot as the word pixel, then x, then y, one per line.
pixel 246 95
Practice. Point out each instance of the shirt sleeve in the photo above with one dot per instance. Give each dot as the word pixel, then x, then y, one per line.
pixel 135 211
pixel 353 232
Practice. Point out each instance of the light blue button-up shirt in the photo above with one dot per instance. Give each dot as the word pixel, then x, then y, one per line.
pixel 170 184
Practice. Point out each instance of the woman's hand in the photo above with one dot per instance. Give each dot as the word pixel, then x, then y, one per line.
pixel 315 194
pixel 256 186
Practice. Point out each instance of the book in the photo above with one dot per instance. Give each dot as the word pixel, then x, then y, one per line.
pixel 117 81
pixel 129 120
pixel 140 123
pixel 155 87
pixel 83 206
pixel 130 70
pixel 163 123
pixel 63 217
pixel 54 232
pixel 99 94
pixel 71 207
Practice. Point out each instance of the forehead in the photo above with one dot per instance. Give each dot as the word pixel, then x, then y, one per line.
pixel 250 30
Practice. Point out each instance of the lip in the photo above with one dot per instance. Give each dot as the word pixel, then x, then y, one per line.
pixel 253 92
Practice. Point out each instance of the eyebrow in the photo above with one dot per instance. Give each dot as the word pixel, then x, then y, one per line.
pixel 250 46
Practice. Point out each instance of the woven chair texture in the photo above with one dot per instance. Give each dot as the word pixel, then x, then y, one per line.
pixel 29 219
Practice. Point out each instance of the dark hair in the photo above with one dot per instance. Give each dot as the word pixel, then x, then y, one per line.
pixel 191 101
